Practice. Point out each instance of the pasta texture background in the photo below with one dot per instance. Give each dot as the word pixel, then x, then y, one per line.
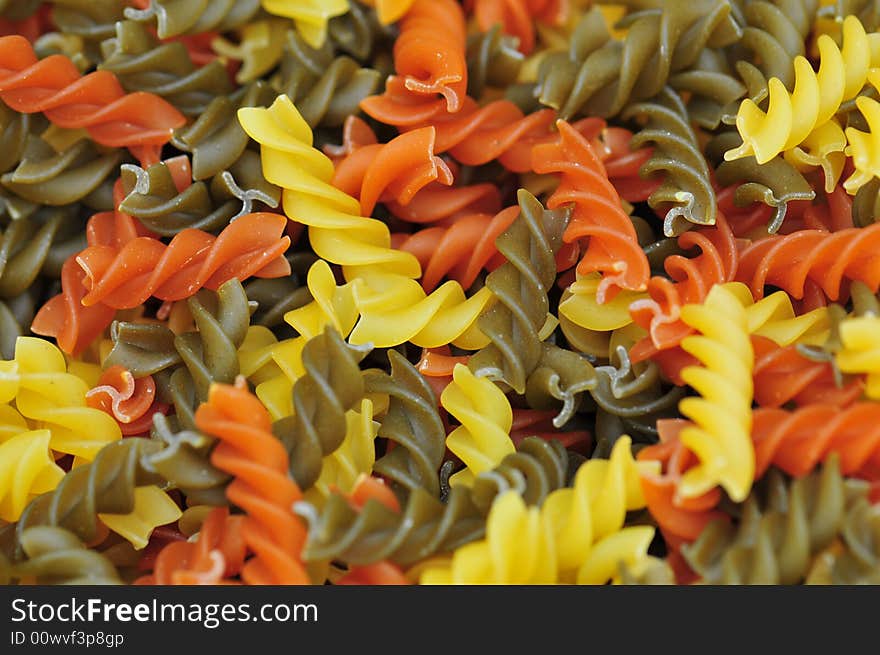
pixel 356 292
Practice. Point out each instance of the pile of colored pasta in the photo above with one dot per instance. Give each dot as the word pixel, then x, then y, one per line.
pixel 433 292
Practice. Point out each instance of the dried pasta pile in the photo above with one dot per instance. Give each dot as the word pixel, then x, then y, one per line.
pixel 435 292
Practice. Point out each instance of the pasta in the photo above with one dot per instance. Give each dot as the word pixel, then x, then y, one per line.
pixel 430 53
pixel 764 548
pixel 362 292
pixel 600 75
pixel 521 284
pixel 460 251
pixel 326 89
pixel 46 175
pixel 797 442
pixel 397 311
pixel 613 249
pixel 106 485
pixel 258 462
pixel 309 16
pixel 56 556
pixel 28 471
pixel 474 135
pixel 425 526
pixel 412 424
pixel 776 183
pixel 806 115
pixel 692 278
pixel 37 378
pixel 687 189
pixel 115 119
pixel 332 384
pixel 483 438
pixel 144 266
pixel 541 546
pixel 165 204
pixel 722 416
pixel 493 60
pixel 857 336
pixel 131 402
pixel 259 48
pixel 141 63
pixel 217 554
pixel 173 18
pixel 830 259
pixel 215 138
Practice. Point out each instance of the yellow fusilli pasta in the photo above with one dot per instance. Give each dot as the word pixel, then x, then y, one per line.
pixel 26 470
pixel 804 118
pixel 483 439
pixel 44 392
pixel 774 317
pixel 722 413
pixel 576 536
pixel 860 337
pixel 393 306
pixel 309 16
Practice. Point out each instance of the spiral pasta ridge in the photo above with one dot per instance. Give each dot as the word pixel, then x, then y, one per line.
pixel 775 545
pixel 721 437
pixel 687 187
pixel 613 249
pixel 828 260
pixel 145 267
pixel 176 17
pixel 45 175
pixel 57 556
pixel 341 235
pixel 95 102
pixel 412 424
pixel 426 526
pixel 249 451
pixel 26 246
pixel 141 63
pixel 798 441
pixel 331 385
pixel 460 251
pixel 521 285
pixel 600 75
pixel 782 375
pixel 326 88
pixel 576 535
pixel 105 485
